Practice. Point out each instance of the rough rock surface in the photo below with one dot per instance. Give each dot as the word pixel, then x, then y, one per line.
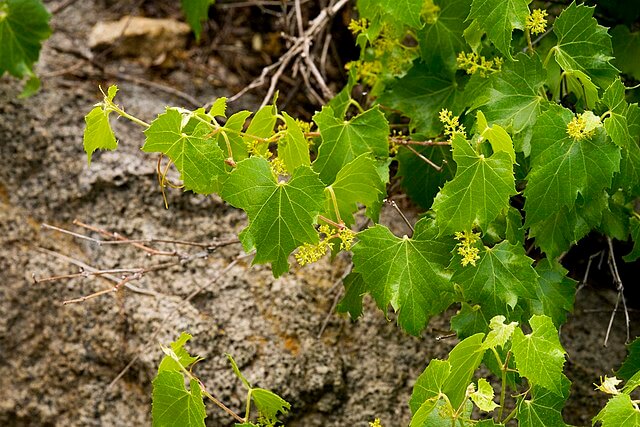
pixel 56 361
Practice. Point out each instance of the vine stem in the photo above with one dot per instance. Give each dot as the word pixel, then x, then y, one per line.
pixel 331 222
pixel 113 107
pixel 335 203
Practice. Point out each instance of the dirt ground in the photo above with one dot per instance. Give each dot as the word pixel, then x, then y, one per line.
pixel 56 361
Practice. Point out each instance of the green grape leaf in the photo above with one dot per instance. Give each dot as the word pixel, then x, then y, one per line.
pixel 581 85
pixel 626 49
pixel 406 12
pixel 196 155
pixel 357 182
pixel 500 332
pixel 616 124
pixel 556 292
pixel 260 128
pixel 497 136
pixel 341 102
pixel 635 236
pixel 629 176
pixel 184 358
pixel 515 97
pixel 483 396
pixel 539 355
pixel 470 320
pixel 173 404
pixel 218 108
pixel 24 25
pixel 196 12
pixel 479 191
pixel 236 370
pixel 421 94
pixel 234 124
pixel 544 409
pixel 584 45
pixel 502 277
pixel 269 404
pixel 563 167
pixel 408 274
pixel 97 132
pixel 281 214
pixel 464 360
pixel 293 148
pixel 499 18
pixel 555 233
pixel 351 302
pixel 440 41
pixel 430 383
pixel 343 141
pixel 420 181
pixel 619 412
pixel 632 384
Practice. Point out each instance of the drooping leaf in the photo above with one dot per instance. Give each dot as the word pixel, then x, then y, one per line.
pixel 584 45
pixel 619 412
pixel 24 25
pixel 196 12
pixel 470 320
pixel 196 155
pixel 441 40
pixel 97 132
pixel 635 236
pixel 631 364
pixel 173 404
pixel 563 167
pixel 408 274
pixel 358 182
pixel 293 148
pixel 269 404
pixel 499 18
pixel 502 277
pixel 582 87
pixel 343 141
pixel 184 358
pixel 421 94
pixel 544 408
pixel 281 215
pixel 497 136
pixel 354 290
pixel 479 191
pixel 555 292
pixel 539 356
pixel 483 396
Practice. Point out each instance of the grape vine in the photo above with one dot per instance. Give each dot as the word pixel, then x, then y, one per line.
pixel 520 135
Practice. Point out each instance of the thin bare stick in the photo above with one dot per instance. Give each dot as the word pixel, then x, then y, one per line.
pixel 85 274
pixel 424 159
pixel 583 283
pixel 394 205
pixel 613 267
pixel 406 141
pixel 613 315
pixel 336 299
pixel 115 288
pixel 169 315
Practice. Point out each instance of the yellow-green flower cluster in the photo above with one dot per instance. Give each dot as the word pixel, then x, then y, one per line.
pixel 466 247
pixel 366 71
pixel 583 126
pixel 309 253
pixel 472 63
pixel 536 22
pixel 357 26
pixel 429 12
pixel 277 167
pixel 451 124
pixel 346 237
pixel 376 423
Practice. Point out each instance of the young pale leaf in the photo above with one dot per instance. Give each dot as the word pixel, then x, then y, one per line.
pixel 173 404
pixel 441 40
pixel 343 141
pixel 464 359
pixel 544 408
pixel 357 182
pixel 196 12
pixel 281 215
pixel 234 124
pixel 483 396
pixel 502 277
pixel 555 293
pixel 184 358
pixel 635 236
pixel 218 108
pixel 479 191
pixel 499 18
pixel 620 411
pixel 563 167
pixel 196 155
pixel 97 132
pixel 497 136
pixel 269 404
pixel 409 274
pixel 584 45
pixel 616 124
pixel 421 94
pixel 499 334
pixel 514 98
pixel 539 356
pixel 293 148
pixel 260 128
pixel 24 25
